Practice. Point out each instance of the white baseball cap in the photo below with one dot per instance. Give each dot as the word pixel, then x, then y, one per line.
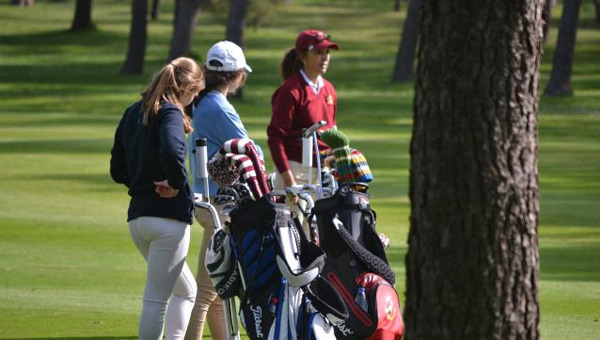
pixel 229 55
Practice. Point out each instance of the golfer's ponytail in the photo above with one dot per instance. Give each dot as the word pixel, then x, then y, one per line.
pixel 173 80
pixel 290 64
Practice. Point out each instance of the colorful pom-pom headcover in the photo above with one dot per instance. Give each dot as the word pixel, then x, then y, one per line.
pixel 350 164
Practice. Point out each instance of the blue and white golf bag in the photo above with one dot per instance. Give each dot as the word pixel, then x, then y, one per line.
pixel 283 295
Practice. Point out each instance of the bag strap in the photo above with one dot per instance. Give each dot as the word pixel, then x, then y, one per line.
pixel 370 260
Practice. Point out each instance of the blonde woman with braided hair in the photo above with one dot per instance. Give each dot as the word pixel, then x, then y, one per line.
pixel 148 157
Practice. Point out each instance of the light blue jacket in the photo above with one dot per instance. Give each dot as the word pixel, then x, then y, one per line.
pixel 215 119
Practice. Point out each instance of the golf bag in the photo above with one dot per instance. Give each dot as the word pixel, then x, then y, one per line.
pixel 357 266
pixel 284 297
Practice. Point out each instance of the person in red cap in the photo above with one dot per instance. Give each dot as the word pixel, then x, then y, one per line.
pixel 304 98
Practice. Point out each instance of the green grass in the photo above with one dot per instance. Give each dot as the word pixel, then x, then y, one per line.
pixel 67 265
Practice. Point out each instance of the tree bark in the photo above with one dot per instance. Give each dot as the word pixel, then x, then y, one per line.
pixel 83 16
pixel 154 12
pixel 186 16
pixel 597 7
pixel 562 62
pixel 134 64
pixel 236 24
pixel 403 69
pixel 397 5
pixel 472 262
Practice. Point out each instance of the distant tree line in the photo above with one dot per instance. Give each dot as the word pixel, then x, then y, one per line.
pixel 562 64
pixel 187 13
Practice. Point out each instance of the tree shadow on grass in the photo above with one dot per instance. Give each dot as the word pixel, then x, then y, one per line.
pixel 51 42
pixel 61 146
pixel 571 263
pixel 101 181
pixel 565 263
pixel 88 76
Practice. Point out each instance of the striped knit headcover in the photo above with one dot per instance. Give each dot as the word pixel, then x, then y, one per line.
pixel 338 142
pixel 350 164
pixel 242 153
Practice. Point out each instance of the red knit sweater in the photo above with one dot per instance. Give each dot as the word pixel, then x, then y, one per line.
pixel 295 107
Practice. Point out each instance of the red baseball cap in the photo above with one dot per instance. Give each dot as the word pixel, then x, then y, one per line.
pixel 314 39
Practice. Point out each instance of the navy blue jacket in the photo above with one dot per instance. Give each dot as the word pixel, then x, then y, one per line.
pixel 144 154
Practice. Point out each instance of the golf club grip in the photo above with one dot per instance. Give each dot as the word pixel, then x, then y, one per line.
pixel 201 158
pixel 307 152
pixel 309 131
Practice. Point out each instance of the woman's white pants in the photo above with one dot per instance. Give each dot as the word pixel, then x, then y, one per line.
pixel 170 289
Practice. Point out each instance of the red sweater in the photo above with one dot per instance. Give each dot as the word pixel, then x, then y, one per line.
pixel 295 107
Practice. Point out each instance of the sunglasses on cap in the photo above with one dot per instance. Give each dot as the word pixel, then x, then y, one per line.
pixel 322 36
pixel 312 39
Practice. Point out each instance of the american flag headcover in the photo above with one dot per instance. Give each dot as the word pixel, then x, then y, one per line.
pixel 245 146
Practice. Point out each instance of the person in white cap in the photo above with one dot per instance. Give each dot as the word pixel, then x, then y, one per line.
pixel 215 119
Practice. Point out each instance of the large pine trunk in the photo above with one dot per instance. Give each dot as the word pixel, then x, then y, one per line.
pixel 134 64
pixel 472 263
pixel 83 16
pixel 562 63
pixel 403 69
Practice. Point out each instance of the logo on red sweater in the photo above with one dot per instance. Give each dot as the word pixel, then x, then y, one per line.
pixel 329 100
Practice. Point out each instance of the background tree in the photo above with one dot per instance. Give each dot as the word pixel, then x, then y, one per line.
pixel 562 62
pixel 134 64
pixel 597 7
pixel 186 16
pixel 472 263
pixel 154 12
pixel 82 20
pixel 236 24
pixel 22 2
pixel 547 16
pixel 403 69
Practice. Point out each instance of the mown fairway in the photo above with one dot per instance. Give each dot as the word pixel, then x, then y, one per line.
pixel 67 265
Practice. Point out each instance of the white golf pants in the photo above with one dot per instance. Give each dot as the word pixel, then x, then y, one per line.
pixel 170 285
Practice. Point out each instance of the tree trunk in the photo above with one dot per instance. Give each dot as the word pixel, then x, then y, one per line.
pixel 186 16
pixel 403 69
pixel 83 16
pixel 236 24
pixel 397 5
pixel 562 63
pixel 473 263
pixel 155 6
pixel 22 2
pixel 546 17
pixel 597 7
pixel 134 64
